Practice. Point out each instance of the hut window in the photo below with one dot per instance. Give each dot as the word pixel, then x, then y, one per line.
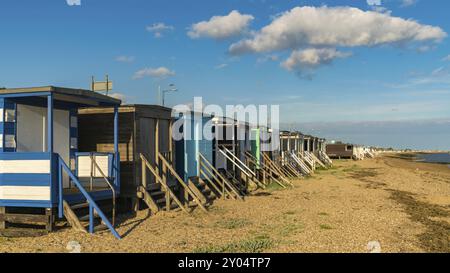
pixel 349 148
pixel 73 143
pixel 73 122
pixel 10 141
pixel 10 115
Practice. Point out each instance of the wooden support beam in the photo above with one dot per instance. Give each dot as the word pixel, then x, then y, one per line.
pixel 2 220
pixel 226 185
pixel 165 188
pixel 148 200
pixel 182 183
pixel 50 219
pixel 72 218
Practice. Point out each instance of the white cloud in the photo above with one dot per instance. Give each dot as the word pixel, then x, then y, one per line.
pixel 408 3
pixel 302 61
pixel 158 29
pixel 125 59
pixel 221 27
pixel 335 26
pixel 221 66
pixel 446 59
pixel 157 73
pixel 374 2
pixel 119 96
pixel 313 57
pixel 73 2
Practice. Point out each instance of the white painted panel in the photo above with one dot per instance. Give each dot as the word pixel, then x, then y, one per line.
pixel 25 166
pixel 25 193
pixel 10 141
pixel 32 132
pixel 84 166
pixel 61 139
pixel 1 114
pixel 30 128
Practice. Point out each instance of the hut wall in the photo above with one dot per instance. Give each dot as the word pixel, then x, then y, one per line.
pixel 339 150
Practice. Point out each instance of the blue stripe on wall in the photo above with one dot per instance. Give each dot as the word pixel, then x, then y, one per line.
pixel 26 204
pixel 24 156
pixel 34 180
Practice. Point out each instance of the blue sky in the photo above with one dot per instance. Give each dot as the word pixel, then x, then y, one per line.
pixel 404 80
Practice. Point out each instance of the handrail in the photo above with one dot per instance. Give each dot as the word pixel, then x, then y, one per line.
pixel 224 180
pixel 94 162
pixel 263 167
pixel 236 158
pixel 92 205
pixel 271 165
pixel 159 180
pixel 186 187
pixel 245 171
pixel 300 163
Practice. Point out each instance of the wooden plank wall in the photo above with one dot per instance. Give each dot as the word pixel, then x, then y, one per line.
pixel 96 134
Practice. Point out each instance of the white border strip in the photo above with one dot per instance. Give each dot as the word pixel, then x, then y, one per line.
pixel 25 193
pixel 25 166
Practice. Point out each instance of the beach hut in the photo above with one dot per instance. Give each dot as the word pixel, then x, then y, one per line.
pixel 230 145
pixel 42 168
pixel 341 150
pixel 145 138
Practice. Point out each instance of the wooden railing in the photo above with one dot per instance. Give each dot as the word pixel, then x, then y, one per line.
pixel 93 207
pixel 167 168
pixel 220 183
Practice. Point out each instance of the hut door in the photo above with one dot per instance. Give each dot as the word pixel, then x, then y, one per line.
pixel 147 143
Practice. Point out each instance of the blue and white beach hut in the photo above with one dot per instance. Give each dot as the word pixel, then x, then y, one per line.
pixel 40 164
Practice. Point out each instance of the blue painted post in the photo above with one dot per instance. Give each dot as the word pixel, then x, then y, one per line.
pixel 91 218
pixel 60 193
pixel 116 147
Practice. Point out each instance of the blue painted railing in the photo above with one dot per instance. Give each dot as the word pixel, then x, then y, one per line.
pixel 62 166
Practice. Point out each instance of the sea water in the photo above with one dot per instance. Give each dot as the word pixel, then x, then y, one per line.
pixel 443 158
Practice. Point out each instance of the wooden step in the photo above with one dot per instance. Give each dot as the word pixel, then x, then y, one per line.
pixel 79 206
pixel 24 218
pixel 85 218
pixel 156 193
pixel 22 232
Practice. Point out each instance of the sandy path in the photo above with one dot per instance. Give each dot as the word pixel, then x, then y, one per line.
pixel 403 205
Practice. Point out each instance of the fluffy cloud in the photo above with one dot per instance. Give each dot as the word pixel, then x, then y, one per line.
pixel 158 29
pixel 312 57
pixel 221 27
pixel 446 59
pixel 324 26
pixel 157 73
pixel 73 2
pixel 374 2
pixel 125 59
pixel 221 66
pixel 407 3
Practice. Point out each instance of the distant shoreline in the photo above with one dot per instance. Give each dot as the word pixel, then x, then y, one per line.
pixel 416 157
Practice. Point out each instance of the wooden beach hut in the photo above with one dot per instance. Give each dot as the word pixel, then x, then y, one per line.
pixel 42 168
pixel 145 138
pixel 341 150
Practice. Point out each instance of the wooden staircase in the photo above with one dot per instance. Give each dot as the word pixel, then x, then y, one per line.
pixel 163 197
pixel 247 173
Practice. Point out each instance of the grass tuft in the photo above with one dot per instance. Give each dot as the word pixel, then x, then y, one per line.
pixel 254 245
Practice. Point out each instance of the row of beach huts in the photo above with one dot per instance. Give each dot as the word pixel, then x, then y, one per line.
pixel 82 158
